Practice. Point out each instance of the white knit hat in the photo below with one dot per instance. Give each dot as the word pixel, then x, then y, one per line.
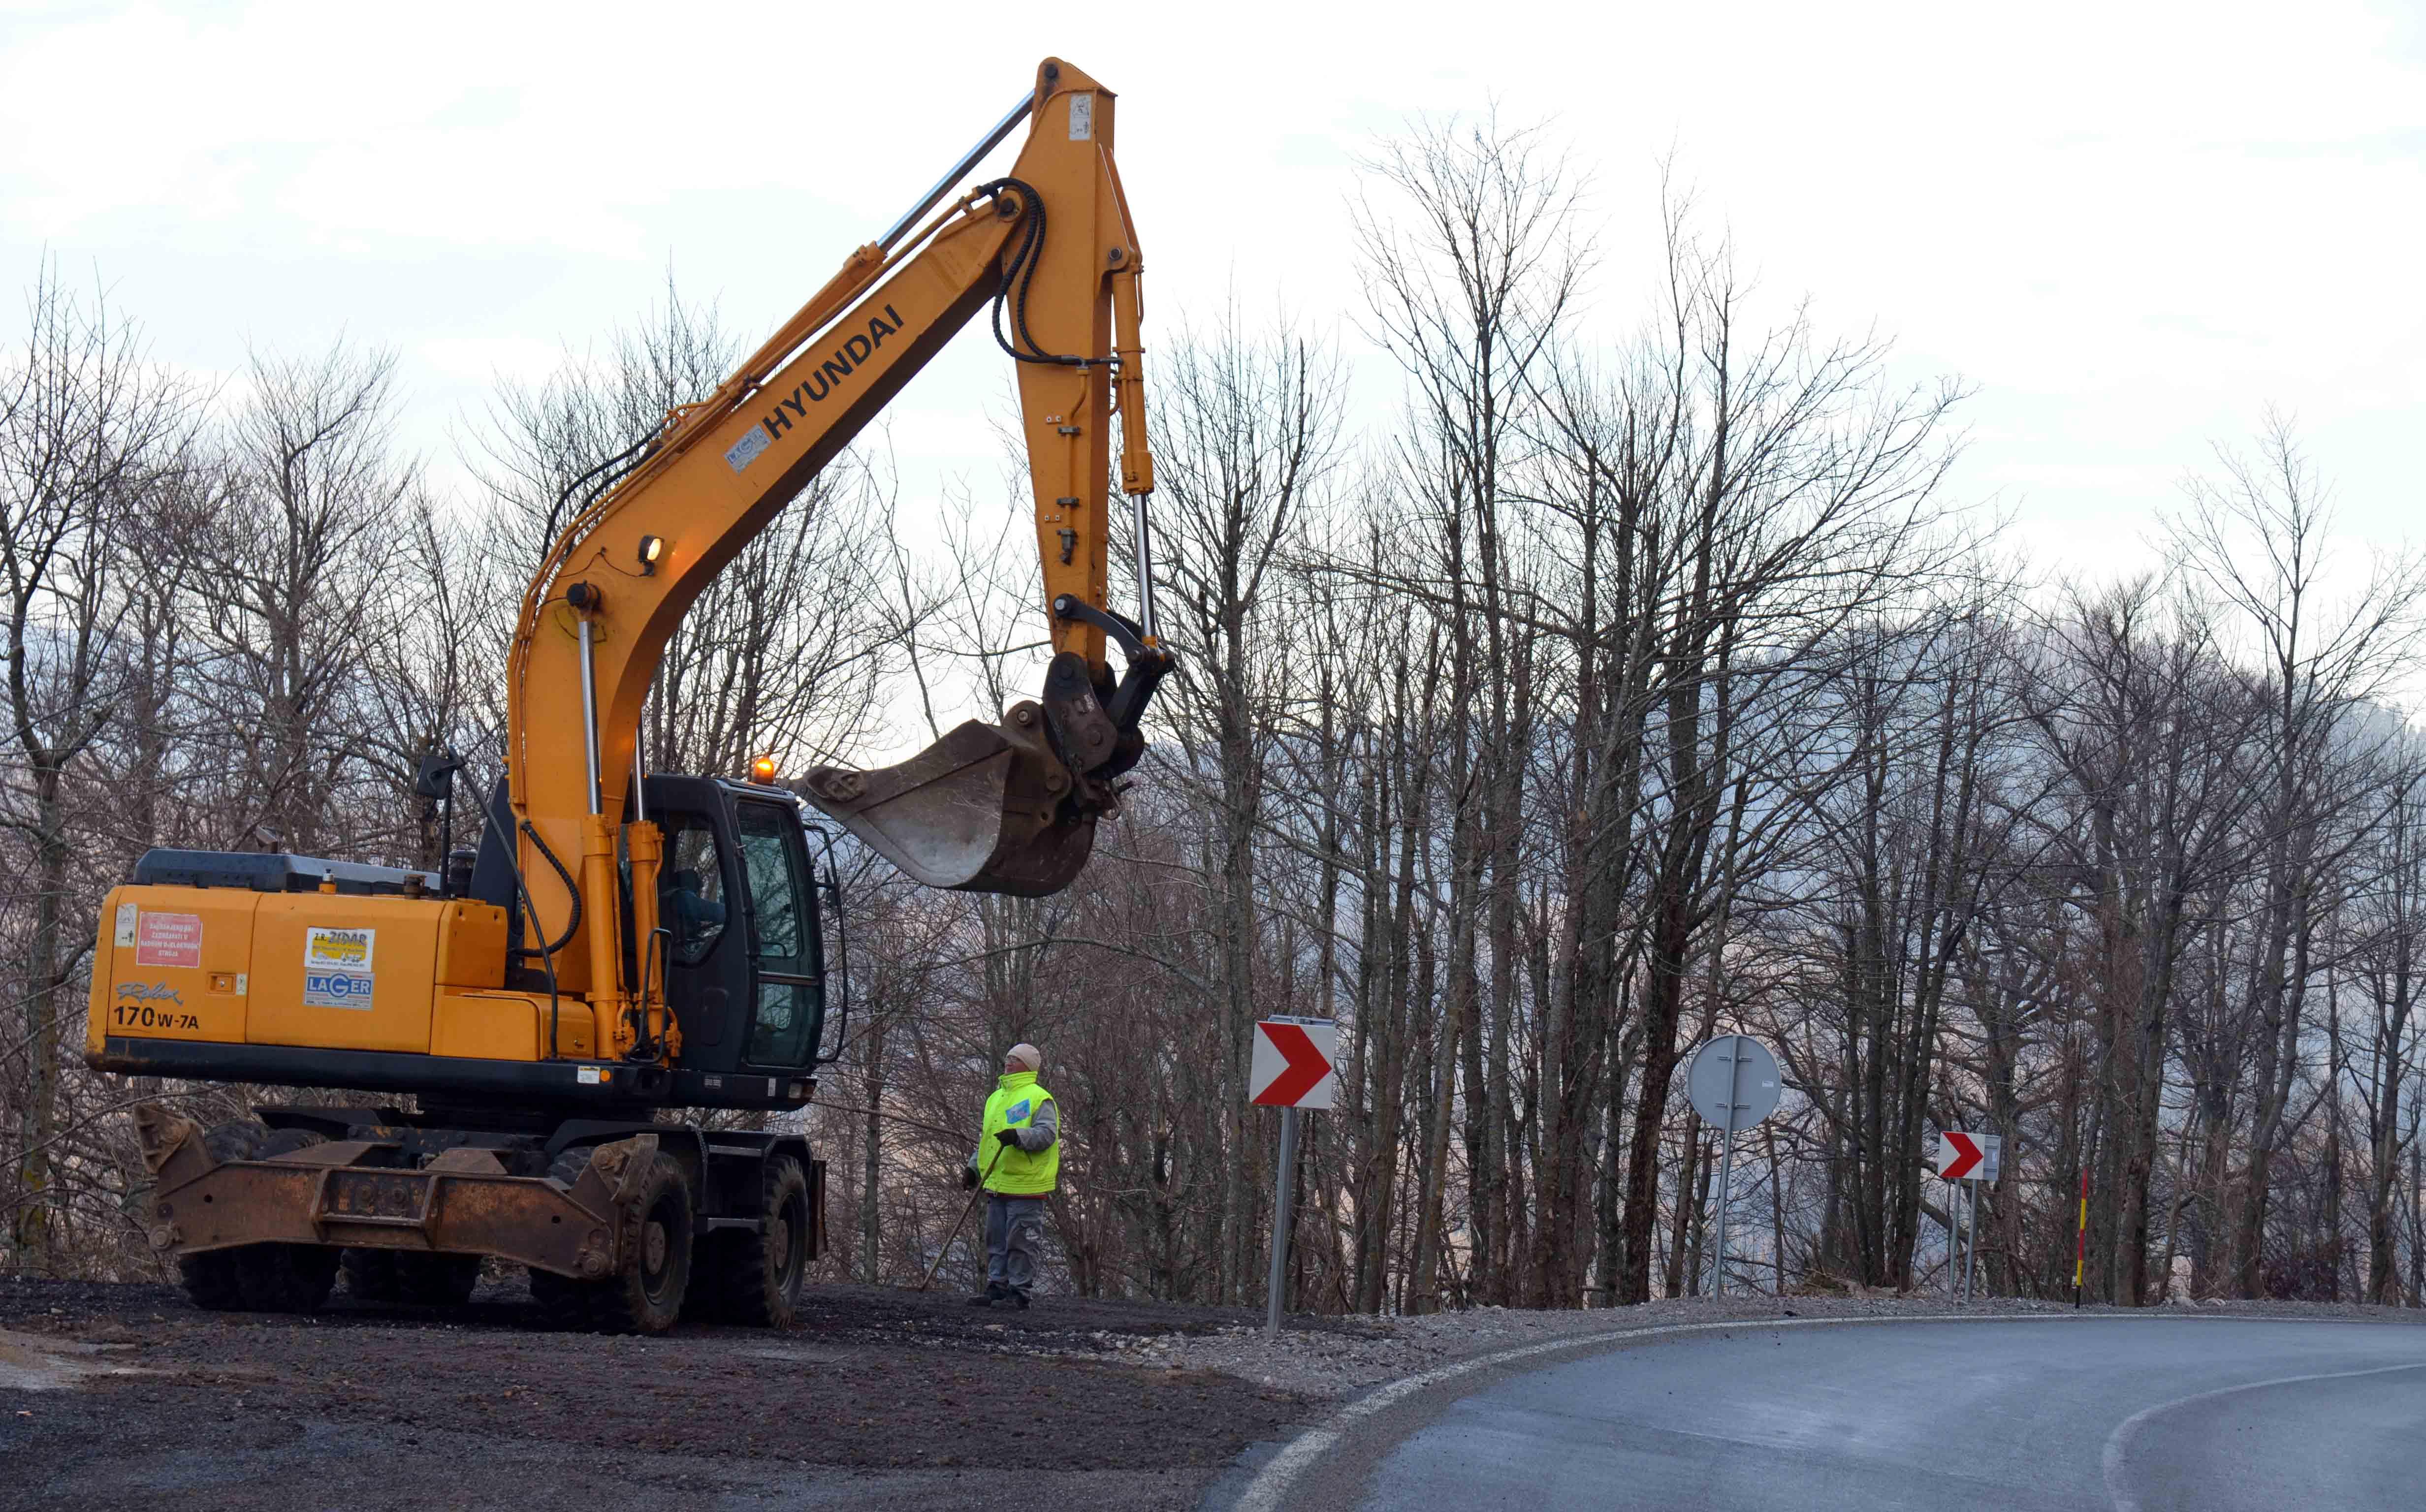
pixel 1027 1054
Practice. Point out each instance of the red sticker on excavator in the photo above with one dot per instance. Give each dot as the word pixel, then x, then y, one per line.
pixel 169 940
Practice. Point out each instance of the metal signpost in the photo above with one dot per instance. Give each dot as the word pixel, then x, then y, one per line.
pixel 1971 1159
pixel 1734 1086
pixel 1292 1069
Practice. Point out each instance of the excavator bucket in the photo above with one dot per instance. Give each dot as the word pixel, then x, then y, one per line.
pixel 986 808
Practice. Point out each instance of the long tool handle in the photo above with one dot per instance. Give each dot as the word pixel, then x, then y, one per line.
pixel 965 1211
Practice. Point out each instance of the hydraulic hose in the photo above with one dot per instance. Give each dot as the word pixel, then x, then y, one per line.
pixel 628 454
pixel 573 924
pixel 528 908
pixel 1017 278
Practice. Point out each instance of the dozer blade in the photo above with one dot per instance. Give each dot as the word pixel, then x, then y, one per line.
pixel 985 809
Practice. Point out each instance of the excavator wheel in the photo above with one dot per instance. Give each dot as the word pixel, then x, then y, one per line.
pixel 436 1280
pixel 284 1278
pixel 647 1296
pixel 286 1142
pixel 755 1278
pixel 569 1165
pixel 209 1280
pixel 240 1140
pixel 370 1275
pixel 213 1278
pixel 563 1302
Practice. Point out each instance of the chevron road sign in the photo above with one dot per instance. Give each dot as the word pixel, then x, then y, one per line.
pixel 1292 1071
pixel 1971 1159
pixel 1292 1068
pixel 1968 1157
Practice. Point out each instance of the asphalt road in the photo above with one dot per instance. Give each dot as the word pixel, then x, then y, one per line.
pixel 2188 1412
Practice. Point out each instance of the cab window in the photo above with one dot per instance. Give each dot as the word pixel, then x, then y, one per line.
pixel 787 1015
pixel 691 887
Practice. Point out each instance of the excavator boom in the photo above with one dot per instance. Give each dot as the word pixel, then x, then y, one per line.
pixel 1009 807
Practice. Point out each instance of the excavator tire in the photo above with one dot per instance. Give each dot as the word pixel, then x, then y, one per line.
pixel 569 1165
pixel 563 1302
pixel 370 1275
pixel 647 1297
pixel 436 1280
pixel 286 1142
pixel 284 1278
pixel 258 1277
pixel 755 1278
pixel 242 1140
pixel 210 1279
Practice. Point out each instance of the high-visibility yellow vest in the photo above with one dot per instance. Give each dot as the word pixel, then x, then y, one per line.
pixel 1017 1173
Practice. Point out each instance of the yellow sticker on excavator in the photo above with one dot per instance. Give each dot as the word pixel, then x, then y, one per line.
pixel 337 968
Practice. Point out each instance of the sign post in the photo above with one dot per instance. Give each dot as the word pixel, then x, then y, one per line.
pixel 1971 1159
pixel 1293 1069
pixel 1971 1240
pixel 1733 1084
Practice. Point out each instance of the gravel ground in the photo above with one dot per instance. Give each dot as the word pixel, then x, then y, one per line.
pixel 120 1396
pixel 1348 1360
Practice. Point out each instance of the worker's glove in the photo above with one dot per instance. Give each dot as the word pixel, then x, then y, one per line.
pixel 969 1177
pixel 1007 1139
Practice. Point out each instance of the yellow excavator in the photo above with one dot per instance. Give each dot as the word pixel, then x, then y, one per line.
pixel 621 942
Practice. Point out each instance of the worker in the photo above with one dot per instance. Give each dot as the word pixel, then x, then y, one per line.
pixel 1018 1158
pixel 693 917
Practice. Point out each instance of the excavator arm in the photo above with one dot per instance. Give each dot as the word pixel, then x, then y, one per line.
pixel 1005 808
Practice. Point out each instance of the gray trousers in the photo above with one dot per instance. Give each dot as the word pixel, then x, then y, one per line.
pixel 1015 1241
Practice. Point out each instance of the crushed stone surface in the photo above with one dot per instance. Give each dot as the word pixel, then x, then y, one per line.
pixel 880 1399
pixel 1356 1355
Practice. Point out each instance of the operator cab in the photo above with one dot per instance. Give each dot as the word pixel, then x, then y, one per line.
pixel 742 945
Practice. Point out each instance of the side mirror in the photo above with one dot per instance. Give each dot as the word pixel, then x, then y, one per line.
pixel 435 779
pixel 828 888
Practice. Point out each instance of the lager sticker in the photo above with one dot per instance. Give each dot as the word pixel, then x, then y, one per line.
pixel 337 968
pixel 170 939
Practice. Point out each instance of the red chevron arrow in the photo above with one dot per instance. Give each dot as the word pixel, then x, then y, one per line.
pixel 1958 1156
pixel 1307 1066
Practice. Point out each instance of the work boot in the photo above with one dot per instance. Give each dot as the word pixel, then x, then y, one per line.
pixel 993 1292
pixel 1021 1300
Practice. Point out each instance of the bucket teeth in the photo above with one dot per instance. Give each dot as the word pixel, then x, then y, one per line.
pixel 986 808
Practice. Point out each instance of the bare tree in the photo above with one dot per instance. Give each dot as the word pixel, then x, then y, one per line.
pixel 2257 538
pixel 1246 429
pixel 88 431
pixel 1469 268
pixel 293 587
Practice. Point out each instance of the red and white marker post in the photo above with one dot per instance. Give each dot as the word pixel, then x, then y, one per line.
pixel 1293 1069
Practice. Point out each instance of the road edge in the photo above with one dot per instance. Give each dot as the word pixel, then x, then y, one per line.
pixel 1267 1490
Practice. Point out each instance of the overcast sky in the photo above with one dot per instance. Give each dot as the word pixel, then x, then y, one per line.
pixel 2130 227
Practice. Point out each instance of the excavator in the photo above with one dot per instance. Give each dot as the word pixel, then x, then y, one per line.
pixel 623 945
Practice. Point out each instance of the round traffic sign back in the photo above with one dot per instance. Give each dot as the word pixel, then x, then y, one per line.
pixel 1733 1082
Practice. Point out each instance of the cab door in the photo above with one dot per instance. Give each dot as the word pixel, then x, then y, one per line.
pixel 786 951
pixel 703 961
